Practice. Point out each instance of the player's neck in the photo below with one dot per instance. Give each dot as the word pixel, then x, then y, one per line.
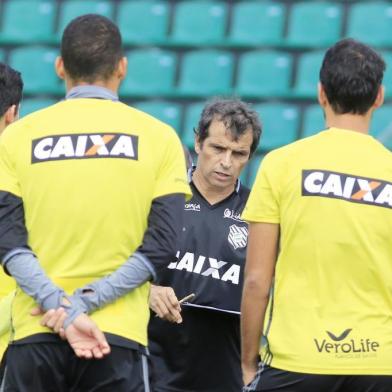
pixel 110 84
pixel 353 122
pixel 2 124
pixel 211 193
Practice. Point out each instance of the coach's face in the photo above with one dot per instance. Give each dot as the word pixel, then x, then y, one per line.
pixel 221 158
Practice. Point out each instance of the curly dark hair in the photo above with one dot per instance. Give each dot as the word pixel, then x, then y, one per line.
pixel 237 116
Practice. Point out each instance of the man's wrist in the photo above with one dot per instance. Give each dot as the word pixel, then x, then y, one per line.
pixel 87 298
pixel 73 306
pixel 249 363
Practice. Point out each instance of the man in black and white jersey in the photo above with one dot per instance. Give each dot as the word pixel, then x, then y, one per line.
pixel 200 349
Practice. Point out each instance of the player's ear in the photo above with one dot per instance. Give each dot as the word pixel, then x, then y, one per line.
pixel 197 144
pixel 11 114
pixel 380 97
pixel 322 97
pixel 122 68
pixel 59 67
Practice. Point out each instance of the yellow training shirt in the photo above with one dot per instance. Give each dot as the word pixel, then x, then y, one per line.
pixel 7 284
pixel 87 171
pixel 331 312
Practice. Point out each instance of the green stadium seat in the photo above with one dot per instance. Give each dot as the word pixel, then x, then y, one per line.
pixel 253 167
pixel 150 73
pixel 205 73
pixel 168 112
pixel 199 22
pixel 36 64
pixel 70 9
pixel 381 126
pixel 308 74
pixel 248 16
pixel 280 124
pixel 371 22
pixel 192 117
pixel 143 21
pixel 313 121
pixel 313 24
pixel 33 104
pixel 28 21
pixel 264 74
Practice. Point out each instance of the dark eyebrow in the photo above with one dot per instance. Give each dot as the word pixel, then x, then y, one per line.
pixel 213 144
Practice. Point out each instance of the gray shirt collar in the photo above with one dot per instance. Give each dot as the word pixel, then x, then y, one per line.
pixel 91 91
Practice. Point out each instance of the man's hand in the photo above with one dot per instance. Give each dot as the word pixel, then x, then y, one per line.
pixel 83 335
pixel 85 338
pixel 53 318
pixel 165 304
pixel 248 373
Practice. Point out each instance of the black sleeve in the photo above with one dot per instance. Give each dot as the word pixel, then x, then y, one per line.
pixel 13 232
pixel 164 226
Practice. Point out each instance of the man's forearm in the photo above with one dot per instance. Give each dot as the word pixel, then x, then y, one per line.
pixel 24 267
pixel 259 270
pixel 133 273
pixel 253 309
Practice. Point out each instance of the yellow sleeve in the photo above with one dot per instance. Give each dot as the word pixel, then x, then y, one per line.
pixel 263 202
pixel 172 176
pixel 8 179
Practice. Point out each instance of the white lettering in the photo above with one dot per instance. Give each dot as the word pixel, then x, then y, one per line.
pixel 232 274
pixel 173 264
pixel 332 185
pixel 199 264
pixel 43 148
pixel 348 187
pixel 100 143
pixel 214 266
pixel 123 146
pixel 365 186
pixel 385 195
pixel 81 146
pixel 186 262
pixel 64 147
pixel 313 182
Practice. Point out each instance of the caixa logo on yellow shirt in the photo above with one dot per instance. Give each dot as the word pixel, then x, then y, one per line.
pixel 84 146
pixel 343 345
pixel 347 187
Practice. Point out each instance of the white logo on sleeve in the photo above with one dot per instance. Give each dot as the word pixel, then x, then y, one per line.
pixel 238 236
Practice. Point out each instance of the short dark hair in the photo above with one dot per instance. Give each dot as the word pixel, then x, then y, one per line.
pixel 91 48
pixel 351 75
pixel 237 116
pixel 11 87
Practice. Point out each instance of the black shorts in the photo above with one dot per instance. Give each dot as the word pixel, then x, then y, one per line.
pixel 269 379
pixel 2 366
pixel 53 367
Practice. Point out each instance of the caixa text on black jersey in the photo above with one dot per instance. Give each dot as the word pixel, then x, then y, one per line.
pixel 84 146
pixel 208 267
